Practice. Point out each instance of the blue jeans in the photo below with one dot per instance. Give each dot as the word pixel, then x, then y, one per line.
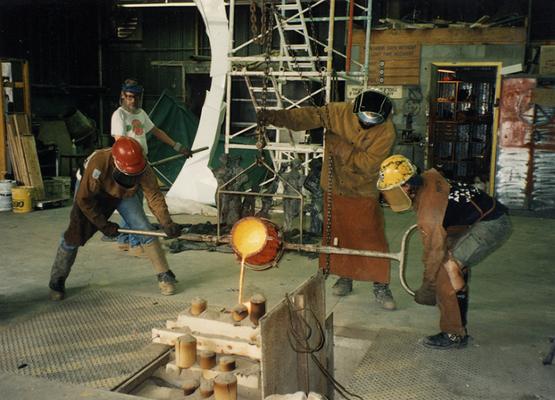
pixel 481 240
pixel 137 209
pixel 133 217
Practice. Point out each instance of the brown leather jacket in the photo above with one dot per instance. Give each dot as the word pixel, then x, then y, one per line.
pixel 98 186
pixel 430 205
pixel 357 153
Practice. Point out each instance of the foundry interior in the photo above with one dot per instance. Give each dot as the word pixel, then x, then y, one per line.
pixel 231 290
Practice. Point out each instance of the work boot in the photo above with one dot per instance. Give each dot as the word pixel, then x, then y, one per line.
pixel 383 296
pixel 342 287
pixel 166 282
pixel 166 278
pixel 60 271
pixel 444 341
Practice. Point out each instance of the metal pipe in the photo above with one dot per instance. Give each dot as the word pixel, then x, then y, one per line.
pixel 329 65
pixel 366 68
pixel 175 157
pixel 350 35
pixel 309 248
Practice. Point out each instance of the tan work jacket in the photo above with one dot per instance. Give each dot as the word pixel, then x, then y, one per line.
pixel 357 152
pixel 97 183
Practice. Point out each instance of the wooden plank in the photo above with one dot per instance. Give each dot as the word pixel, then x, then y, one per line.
pixel 17 149
pixel 408 63
pixel 33 166
pixel 438 36
pixel 22 124
pixel 396 80
pixel 13 151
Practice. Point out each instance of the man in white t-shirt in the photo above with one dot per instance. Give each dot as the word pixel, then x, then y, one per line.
pixel 132 121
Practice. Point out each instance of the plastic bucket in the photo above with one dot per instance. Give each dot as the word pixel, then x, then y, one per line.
pixel 22 199
pixel 6 195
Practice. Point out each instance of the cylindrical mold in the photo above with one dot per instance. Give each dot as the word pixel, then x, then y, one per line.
pixel 207 359
pixel 225 387
pixel 198 305
pixel 226 363
pixel 189 386
pixel 239 312
pixel 258 308
pixel 206 388
pixel 185 351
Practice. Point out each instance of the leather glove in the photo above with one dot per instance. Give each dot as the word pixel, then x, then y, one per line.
pixel 172 230
pixel 426 294
pixel 264 117
pixel 110 229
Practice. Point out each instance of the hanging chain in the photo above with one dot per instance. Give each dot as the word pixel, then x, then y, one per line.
pixel 254 30
pixel 323 119
pixel 266 42
pixel 329 192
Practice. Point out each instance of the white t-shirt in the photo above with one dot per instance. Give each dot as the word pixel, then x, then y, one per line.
pixel 135 126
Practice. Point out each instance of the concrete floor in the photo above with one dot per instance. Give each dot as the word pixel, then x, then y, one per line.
pixel 512 311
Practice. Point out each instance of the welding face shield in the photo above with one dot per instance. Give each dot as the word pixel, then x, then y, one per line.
pixel 131 96
pixel 396 171
pixel 372 108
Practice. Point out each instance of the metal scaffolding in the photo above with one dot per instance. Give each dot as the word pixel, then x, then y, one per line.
pixel 296 70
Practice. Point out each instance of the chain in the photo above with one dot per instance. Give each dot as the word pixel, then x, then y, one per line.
pixel 329 193
pixel 254 31
pixel 266 42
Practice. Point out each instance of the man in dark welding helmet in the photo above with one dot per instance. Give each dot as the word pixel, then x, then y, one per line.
pixel 359 136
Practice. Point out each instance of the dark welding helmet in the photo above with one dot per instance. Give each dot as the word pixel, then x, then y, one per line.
pixel 372 108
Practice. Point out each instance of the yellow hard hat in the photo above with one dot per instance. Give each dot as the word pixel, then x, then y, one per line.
pixel 394 171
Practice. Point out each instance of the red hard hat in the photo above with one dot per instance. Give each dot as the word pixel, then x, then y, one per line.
pixel 128 156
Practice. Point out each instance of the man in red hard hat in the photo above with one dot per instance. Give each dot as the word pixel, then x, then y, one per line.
pixel 109 181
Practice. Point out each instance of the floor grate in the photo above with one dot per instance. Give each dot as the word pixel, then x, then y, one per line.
pixel 398 367
pixel 92 339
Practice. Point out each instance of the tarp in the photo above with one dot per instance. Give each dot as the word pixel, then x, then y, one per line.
pixel 181 125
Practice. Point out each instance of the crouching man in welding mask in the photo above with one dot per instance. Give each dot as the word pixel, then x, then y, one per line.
pixel 460 225
pixel 108 182
pixel 359 136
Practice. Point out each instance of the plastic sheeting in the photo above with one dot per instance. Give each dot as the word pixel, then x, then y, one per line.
pixel 181 124
pixel 543 197
pixel 510 179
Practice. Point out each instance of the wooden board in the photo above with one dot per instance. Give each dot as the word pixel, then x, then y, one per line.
pixel 394 64
pixel 16 154
pixel 23 152
pixel 33 166
pixel 439 36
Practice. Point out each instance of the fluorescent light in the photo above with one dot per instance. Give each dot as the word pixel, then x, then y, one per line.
pixel 446 71
pixel 165 4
